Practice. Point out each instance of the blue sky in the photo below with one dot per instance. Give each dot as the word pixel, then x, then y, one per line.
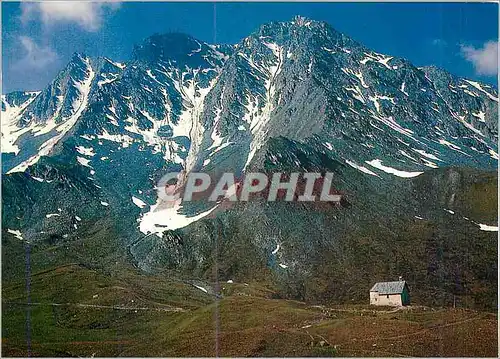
pixel 39 38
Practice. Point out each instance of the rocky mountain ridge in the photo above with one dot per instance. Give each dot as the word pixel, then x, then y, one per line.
pixel 89 149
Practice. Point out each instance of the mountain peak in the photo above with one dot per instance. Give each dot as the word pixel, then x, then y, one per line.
pixel 303 21
pixel 79 57
pixel 300 30
pixel 168 46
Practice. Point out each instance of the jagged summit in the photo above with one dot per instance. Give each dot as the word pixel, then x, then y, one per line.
pixel 277 79
pixel 176 47
pixel 170 46
pixel 78 56
pixel 299 21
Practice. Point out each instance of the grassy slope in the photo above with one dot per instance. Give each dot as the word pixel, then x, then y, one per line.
pixel 250 322
pixel 334 255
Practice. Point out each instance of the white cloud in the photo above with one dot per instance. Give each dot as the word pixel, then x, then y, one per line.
pixel 88 15
pixel 484 59
pixel 34 56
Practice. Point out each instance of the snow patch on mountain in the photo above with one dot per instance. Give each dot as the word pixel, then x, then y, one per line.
pixel 361 168
pixel 404 174
pixel 138 202
pixel 83 161
pixel 165 216
pixel 200 288
pixel 428 155
pixel 259 118
pixel 485 227
pixel 375 99
pixel 124 140
pixel 61 129
pixel 9 128
pixel 480 88
pixel 480 115
pixel 85 151
pixel 38 179
pixel 189 124
pixel 16 233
